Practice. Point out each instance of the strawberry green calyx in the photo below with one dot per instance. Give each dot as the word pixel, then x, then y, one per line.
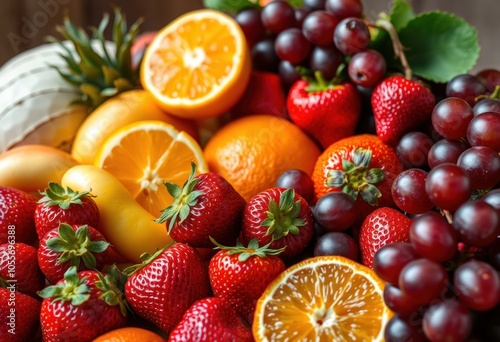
pixel 184 199
pixel 317 83
pixel 146 259
pixel 76 246
pixel 112 285
pixel 282 218
pixel 55 194
pixel 252 249
pixel 73 289
pixel 357 177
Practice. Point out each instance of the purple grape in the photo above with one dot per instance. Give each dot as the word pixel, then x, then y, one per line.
pixel 291 45
pixel 408 191
pixel 277 16
pixel 477 223
pixel 367 68
pixel 483 166
pixel 465 86
pixel 448 186
pixel 351 36
pixel 447 321
pixel 337 243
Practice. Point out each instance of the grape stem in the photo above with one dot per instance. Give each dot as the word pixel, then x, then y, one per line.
pixel 384 23
pixel 447 215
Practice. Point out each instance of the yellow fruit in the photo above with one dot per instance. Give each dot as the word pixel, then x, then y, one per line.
pixel 119 111
pixel 145 154
pixel 198 65
pixel 130 334
pixel 129 227
pixel 252 152
pixel 328 298
pixel 31 167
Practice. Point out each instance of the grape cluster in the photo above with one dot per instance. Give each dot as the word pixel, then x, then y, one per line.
pixel 319 36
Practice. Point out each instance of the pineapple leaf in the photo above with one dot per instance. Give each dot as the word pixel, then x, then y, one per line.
pixel 109 74
pixel 92 91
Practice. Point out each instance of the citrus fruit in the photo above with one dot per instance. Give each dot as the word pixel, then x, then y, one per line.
pixel 145 154
pixel 326 298
pixel 198 65
pixel 253 151
pixel 130 334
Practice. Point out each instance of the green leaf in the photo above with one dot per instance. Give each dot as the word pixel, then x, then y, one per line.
pixel 230 5
pixel 401 14
pixel 439 45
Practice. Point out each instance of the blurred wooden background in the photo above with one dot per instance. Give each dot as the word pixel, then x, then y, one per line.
pixel 26 23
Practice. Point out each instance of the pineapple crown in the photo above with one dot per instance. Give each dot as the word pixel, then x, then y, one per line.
pixel 99 73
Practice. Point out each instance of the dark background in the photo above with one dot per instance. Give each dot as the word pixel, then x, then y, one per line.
pixel 26 23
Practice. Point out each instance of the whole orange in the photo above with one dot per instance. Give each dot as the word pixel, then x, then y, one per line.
pixel 252 152
pixel 130 334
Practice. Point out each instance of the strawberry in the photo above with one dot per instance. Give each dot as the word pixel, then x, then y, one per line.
pixel 381 227
pixel 328 111
pixel 264 95
pixel 19 264
pixel 16 216
pixel 280 217
pixel 81 246
pixel 166 284
pixel 19 315
pixel 82 306
pixel 400 105
pixel 211 319
pixel 207 206
pixel 239 275
pixel 59 205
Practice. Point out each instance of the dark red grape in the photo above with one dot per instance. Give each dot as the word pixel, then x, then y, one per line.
pixel 337 243
pixel 445 151
pixel 264 56
pixel 288 74
pixel 300 14
pixel 486 105
pixel 367 68
pixel 477 285
pixel 408 191
pixel 483 166
pixel 447 321
pixel 351 36
pixel 298 180
pixel 318 27
pixel 335 211
pixel 451 116
pixel 314 5
pixel 404 329
pixel 493 199
pixel 477 223
pixel 291 45
pixel 345 8
pixel 490 78
pixel 398 302
pixel 250 23
pixel 465 86
pixel 413 149
pixel 448 186
pixel 278 16
pixel 484 130
pixel 326 59
pixel 389 260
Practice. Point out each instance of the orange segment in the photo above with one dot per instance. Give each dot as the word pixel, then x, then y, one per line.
pixel 145 154
pixel 198 65
pixel 328 298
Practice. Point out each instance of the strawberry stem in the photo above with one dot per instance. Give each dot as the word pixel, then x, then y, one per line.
pixel 73 289
pixel 252 249
pixel 55 194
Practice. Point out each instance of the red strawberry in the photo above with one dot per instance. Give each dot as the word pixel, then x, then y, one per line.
pixel 400 105
pixel 263 95
pixel 211 319
pixel 19 315
pixel 326 110
pixel 60 205
pixel 280 217
pixel 82 306
pixel 81 246
pixel 239 275
pixel 166 284
pixel 16 216
pixel 19 264
pixel 207 206
pixel 381 227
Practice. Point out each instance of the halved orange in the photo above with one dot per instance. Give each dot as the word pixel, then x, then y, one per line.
pixel 130 334
pixel 327 298
pixel 198 65
pixel 144 154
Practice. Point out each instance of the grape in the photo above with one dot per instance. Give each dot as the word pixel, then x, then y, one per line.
pixel 298 180
pixel 423 280
pixel 477 223
pixel 398 302
pixel 337 243
pixel 451 116
pixel 344 8
pixel 288 74
pixel 401 329
pixel 433 237
pixel 292 46
pixel 300 14
pixel 389 260
pixel 448 186
pixel 486 105
pixel 264 56
pixel 490 78
pixel 483 166
pixel 326 59
pixel 367 68
pixel 483 130
pixel 335 211
pixel 447 321
pixel 413 149
pixel 318 27
pixel 477 285
pixel 408 191
pixel 251 25
pixel 277 16
pixel 314 5
pixel 493 199
pixel 351 36
pixel 445 151
pixel 466 87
